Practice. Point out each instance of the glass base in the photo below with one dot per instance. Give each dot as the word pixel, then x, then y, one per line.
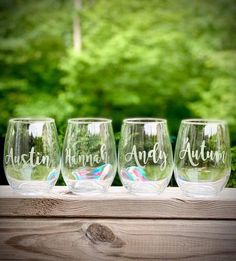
pixel 31 188
pixel 88 186
pixel 202 189
pixel 146 187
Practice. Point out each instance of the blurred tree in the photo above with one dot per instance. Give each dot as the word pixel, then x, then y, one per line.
pixel 33 37
pixel 171 59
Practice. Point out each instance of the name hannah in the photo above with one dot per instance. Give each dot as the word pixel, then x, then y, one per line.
pixel 85 159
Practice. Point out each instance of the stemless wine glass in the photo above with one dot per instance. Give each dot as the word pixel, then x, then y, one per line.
pixel 202 157
pixel 89 155
pixel 31 155
pixel 145 155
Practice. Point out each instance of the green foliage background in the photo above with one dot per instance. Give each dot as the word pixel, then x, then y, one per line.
pixel 156 58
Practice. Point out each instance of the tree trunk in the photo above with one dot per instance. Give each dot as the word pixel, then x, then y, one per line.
pixel 76 27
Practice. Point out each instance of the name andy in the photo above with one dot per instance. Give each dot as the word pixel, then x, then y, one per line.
pixel 156 155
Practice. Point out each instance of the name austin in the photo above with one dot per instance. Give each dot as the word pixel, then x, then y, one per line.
pixel 32 159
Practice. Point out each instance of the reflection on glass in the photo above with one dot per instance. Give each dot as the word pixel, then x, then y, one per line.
pixel 202 157
pixel 145 155
pixel 31 155
pixel 89 155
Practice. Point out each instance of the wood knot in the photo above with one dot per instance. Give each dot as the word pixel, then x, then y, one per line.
pixel 98 234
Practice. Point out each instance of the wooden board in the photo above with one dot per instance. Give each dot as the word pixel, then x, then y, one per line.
pixel 116 239
pixel 117 226
pixel 117 203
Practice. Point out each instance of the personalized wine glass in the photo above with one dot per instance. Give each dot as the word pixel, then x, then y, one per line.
pixel 145 155
pixel 31 155
pixel 202 157
pixel 89 155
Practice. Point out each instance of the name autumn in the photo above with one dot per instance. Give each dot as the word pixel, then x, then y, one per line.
pixel 195 155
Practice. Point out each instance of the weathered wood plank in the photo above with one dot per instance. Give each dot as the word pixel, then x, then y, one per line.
pixel 110 239
pixel 118 203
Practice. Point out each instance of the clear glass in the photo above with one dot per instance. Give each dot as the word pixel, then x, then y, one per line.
pixel 31 155
pixel 89 155
pixel 145 155
pixel 202 157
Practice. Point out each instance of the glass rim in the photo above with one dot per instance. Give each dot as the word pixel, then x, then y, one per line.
pixel 144 120
pixel 203 121
pixel 31 119
pixel 89 120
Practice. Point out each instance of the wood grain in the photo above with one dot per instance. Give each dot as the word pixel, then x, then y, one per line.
pixel 117 203
pixel 110 239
